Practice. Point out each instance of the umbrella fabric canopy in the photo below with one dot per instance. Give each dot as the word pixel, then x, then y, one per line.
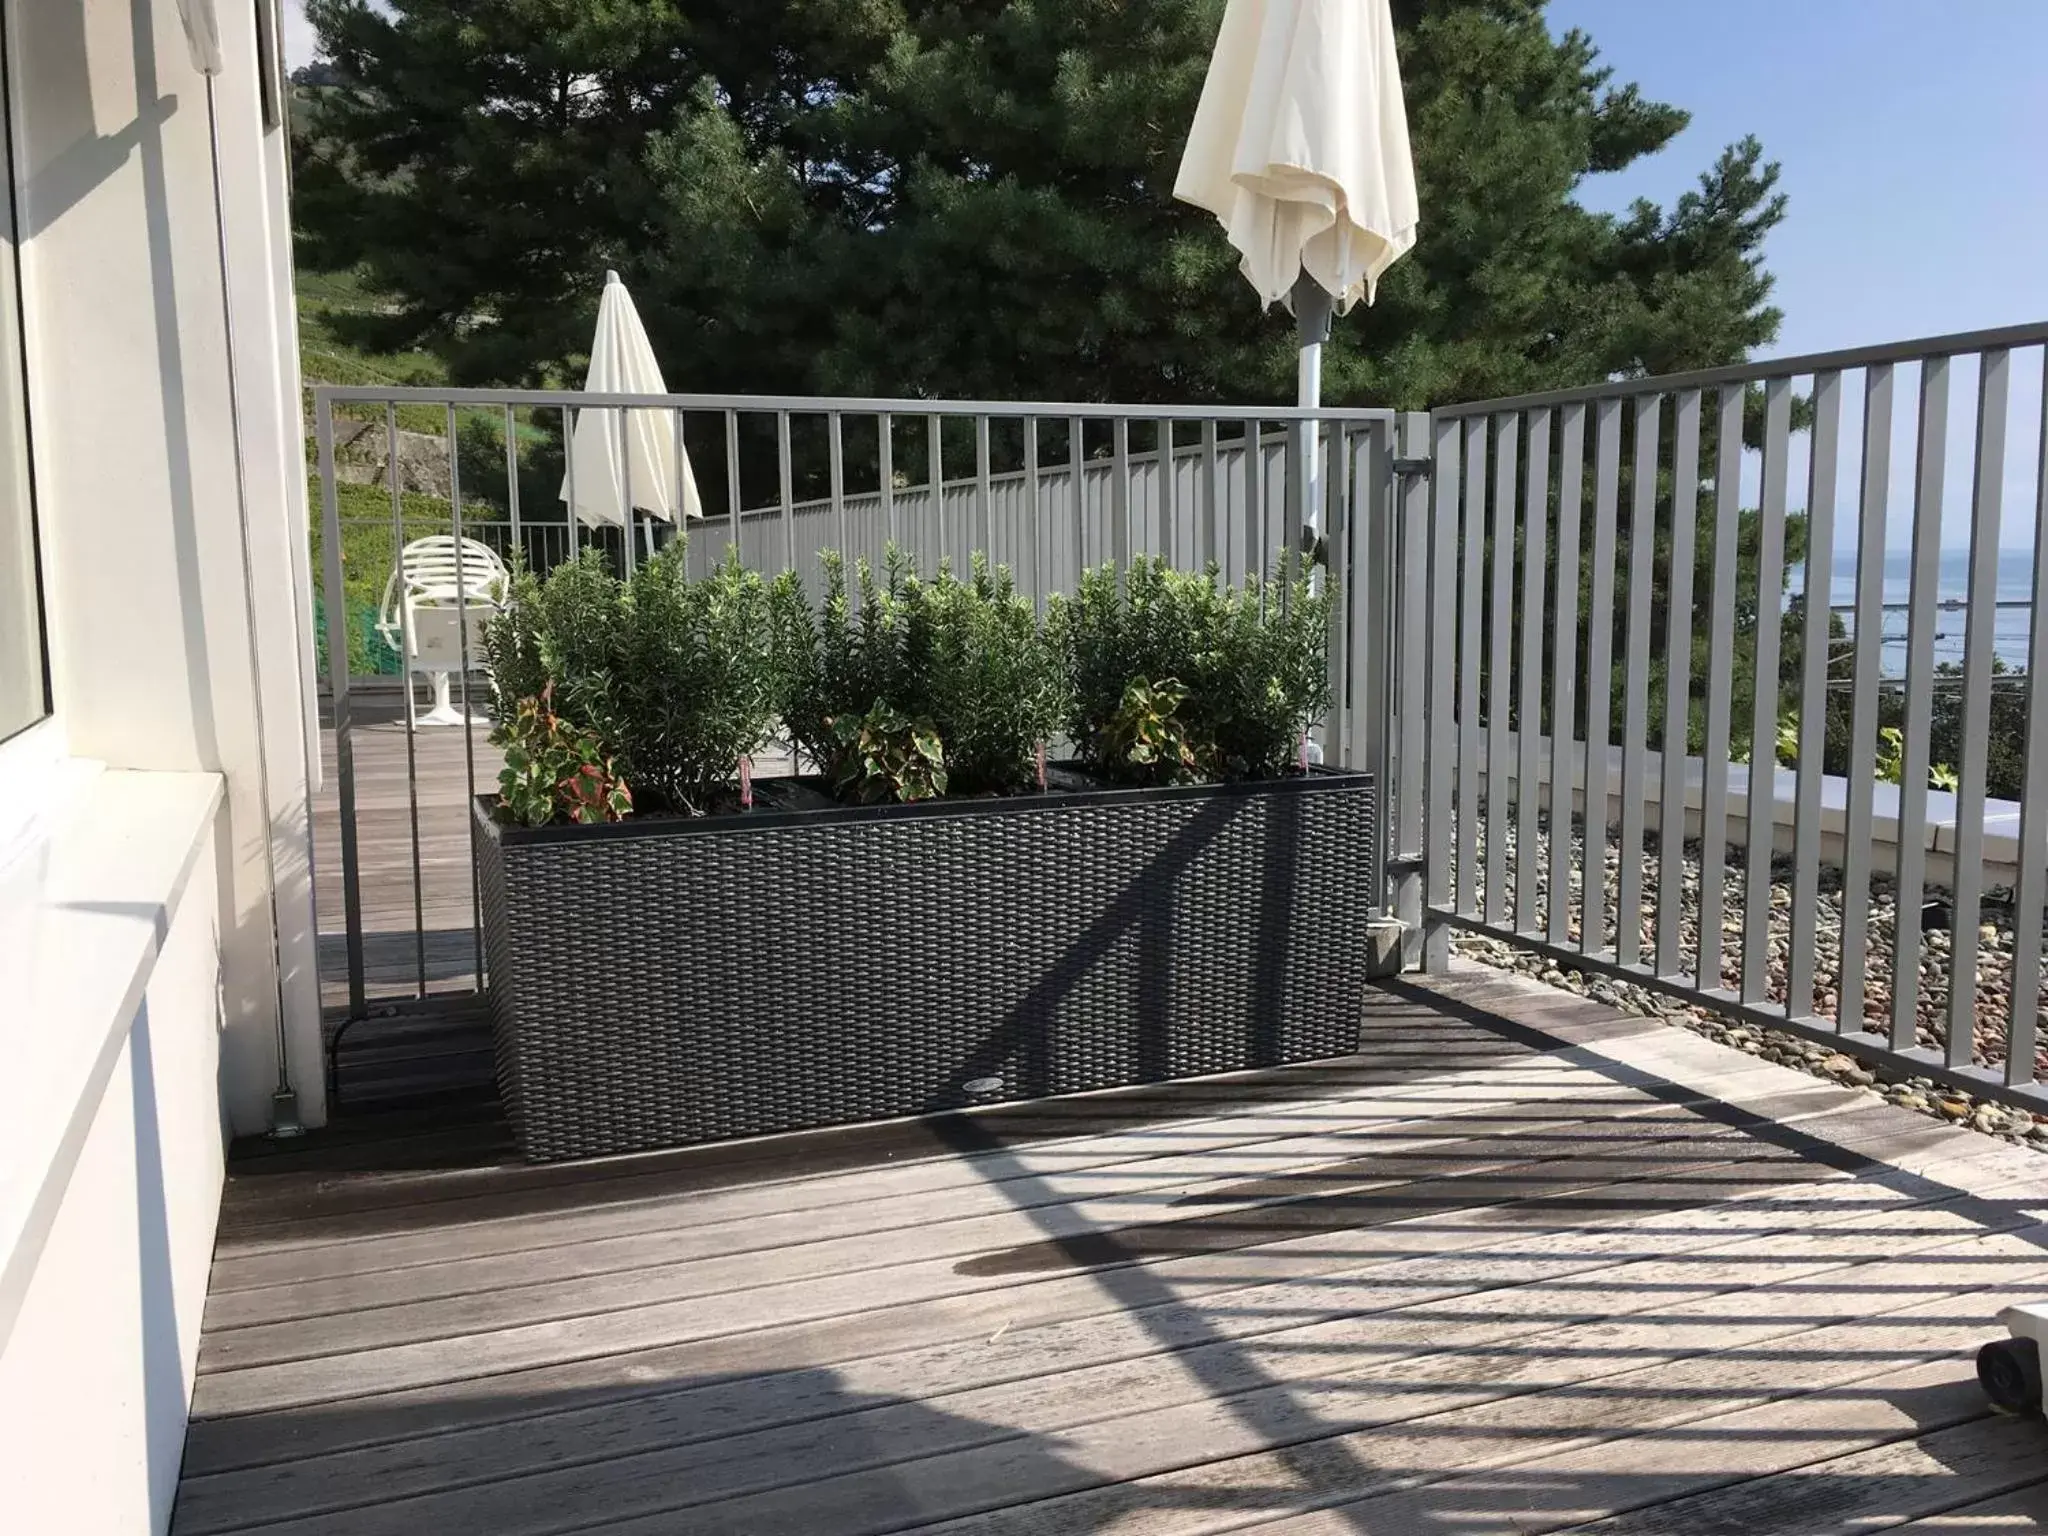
pixel 649 477
pixel 1300 145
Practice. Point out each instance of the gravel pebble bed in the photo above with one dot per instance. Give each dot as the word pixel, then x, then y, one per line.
pixel 1994 973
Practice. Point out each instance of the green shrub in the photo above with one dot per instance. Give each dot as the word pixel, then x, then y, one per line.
pixel 965 661
pixel 555 771
pixel 677 678
pixel 1226 679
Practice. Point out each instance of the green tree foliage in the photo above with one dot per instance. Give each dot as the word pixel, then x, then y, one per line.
pixel 935 197
pixel 972 198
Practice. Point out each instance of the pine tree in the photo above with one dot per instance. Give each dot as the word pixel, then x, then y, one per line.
pixel 973 198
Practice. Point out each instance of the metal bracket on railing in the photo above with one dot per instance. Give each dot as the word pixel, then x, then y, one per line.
pixel 1420 467
pixel 1406 864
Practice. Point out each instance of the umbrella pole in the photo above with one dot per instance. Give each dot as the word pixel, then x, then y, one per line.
pixel 1312 328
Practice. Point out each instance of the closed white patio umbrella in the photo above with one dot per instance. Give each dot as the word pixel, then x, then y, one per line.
pixel 1300 149
pixel 652 473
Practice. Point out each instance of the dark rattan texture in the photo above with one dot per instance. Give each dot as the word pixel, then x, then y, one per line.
pixel 660 990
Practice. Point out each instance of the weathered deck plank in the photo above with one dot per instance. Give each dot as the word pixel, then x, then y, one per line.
pixel 1523 1266
pixel 2023 1510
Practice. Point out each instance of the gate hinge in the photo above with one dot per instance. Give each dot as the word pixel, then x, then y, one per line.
pixel 1420 467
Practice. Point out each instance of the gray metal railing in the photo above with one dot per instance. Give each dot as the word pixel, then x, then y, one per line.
pixel 1045 488
pixel 1607 576
pixel 1663 599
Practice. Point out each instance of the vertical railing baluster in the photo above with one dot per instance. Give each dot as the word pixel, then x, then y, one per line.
pixel 476 890
pixel 678 512
pixel 1822 452
pixel 1600 669
pixel 1258 560
pixel 1034 520
pixel 732 482
pixel 1353 621
pixel 1720 684
pixel 836 451
pixel 338 690
pixel 1169 498
pixel 1930 469
pixel 511 481
pixel 1867 667
pixel 1077 474
pixel 1500 666
pixel 1762 810
pixel 1369 517
pixel 1120 493
pixel 404 672
pixel 1980 638
pixel 935 465
pixel 984 507
pixel 1529 710
pixel 786 473
pixel 569 482
pixel 1442 693
pixel 405 654
pixel 2024 1005
pixel 1564 729
pixel 885 443
pixel 1635 696
pixel 1471 606
pixel 1211 515
pixel 1685 499
pixel 1408 660
pixel 1253 532
pixel 1360 485
pixel 622 491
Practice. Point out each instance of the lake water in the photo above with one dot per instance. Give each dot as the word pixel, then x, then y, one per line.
pixel 2011 621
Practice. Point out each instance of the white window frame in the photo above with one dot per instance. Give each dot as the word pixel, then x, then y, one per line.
pixel 33 759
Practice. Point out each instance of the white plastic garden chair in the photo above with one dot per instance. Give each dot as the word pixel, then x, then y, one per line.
pixel 428 593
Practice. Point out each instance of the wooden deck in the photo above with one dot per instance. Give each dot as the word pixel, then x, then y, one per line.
pixel 1519 1266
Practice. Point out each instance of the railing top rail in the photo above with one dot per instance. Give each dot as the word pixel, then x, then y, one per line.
pixel 2031 334
pixel 819 405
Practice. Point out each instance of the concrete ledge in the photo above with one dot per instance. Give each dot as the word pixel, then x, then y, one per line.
pixel 1938 827
pixel 84 915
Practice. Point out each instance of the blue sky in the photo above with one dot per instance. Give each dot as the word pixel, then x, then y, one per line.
pixel 1914 139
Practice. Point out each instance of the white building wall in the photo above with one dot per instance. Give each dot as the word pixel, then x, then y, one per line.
pixel 138 995
pixel 96 1373
pixel 134 456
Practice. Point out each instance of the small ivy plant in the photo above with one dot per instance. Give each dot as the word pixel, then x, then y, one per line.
pixel 885 755
pixel 557 771
pixel 1890 767
pixel 1147 737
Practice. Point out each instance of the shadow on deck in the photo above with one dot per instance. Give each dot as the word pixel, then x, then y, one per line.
pixel 1519 1265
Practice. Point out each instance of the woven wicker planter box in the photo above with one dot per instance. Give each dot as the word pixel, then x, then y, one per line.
pixel 660 983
